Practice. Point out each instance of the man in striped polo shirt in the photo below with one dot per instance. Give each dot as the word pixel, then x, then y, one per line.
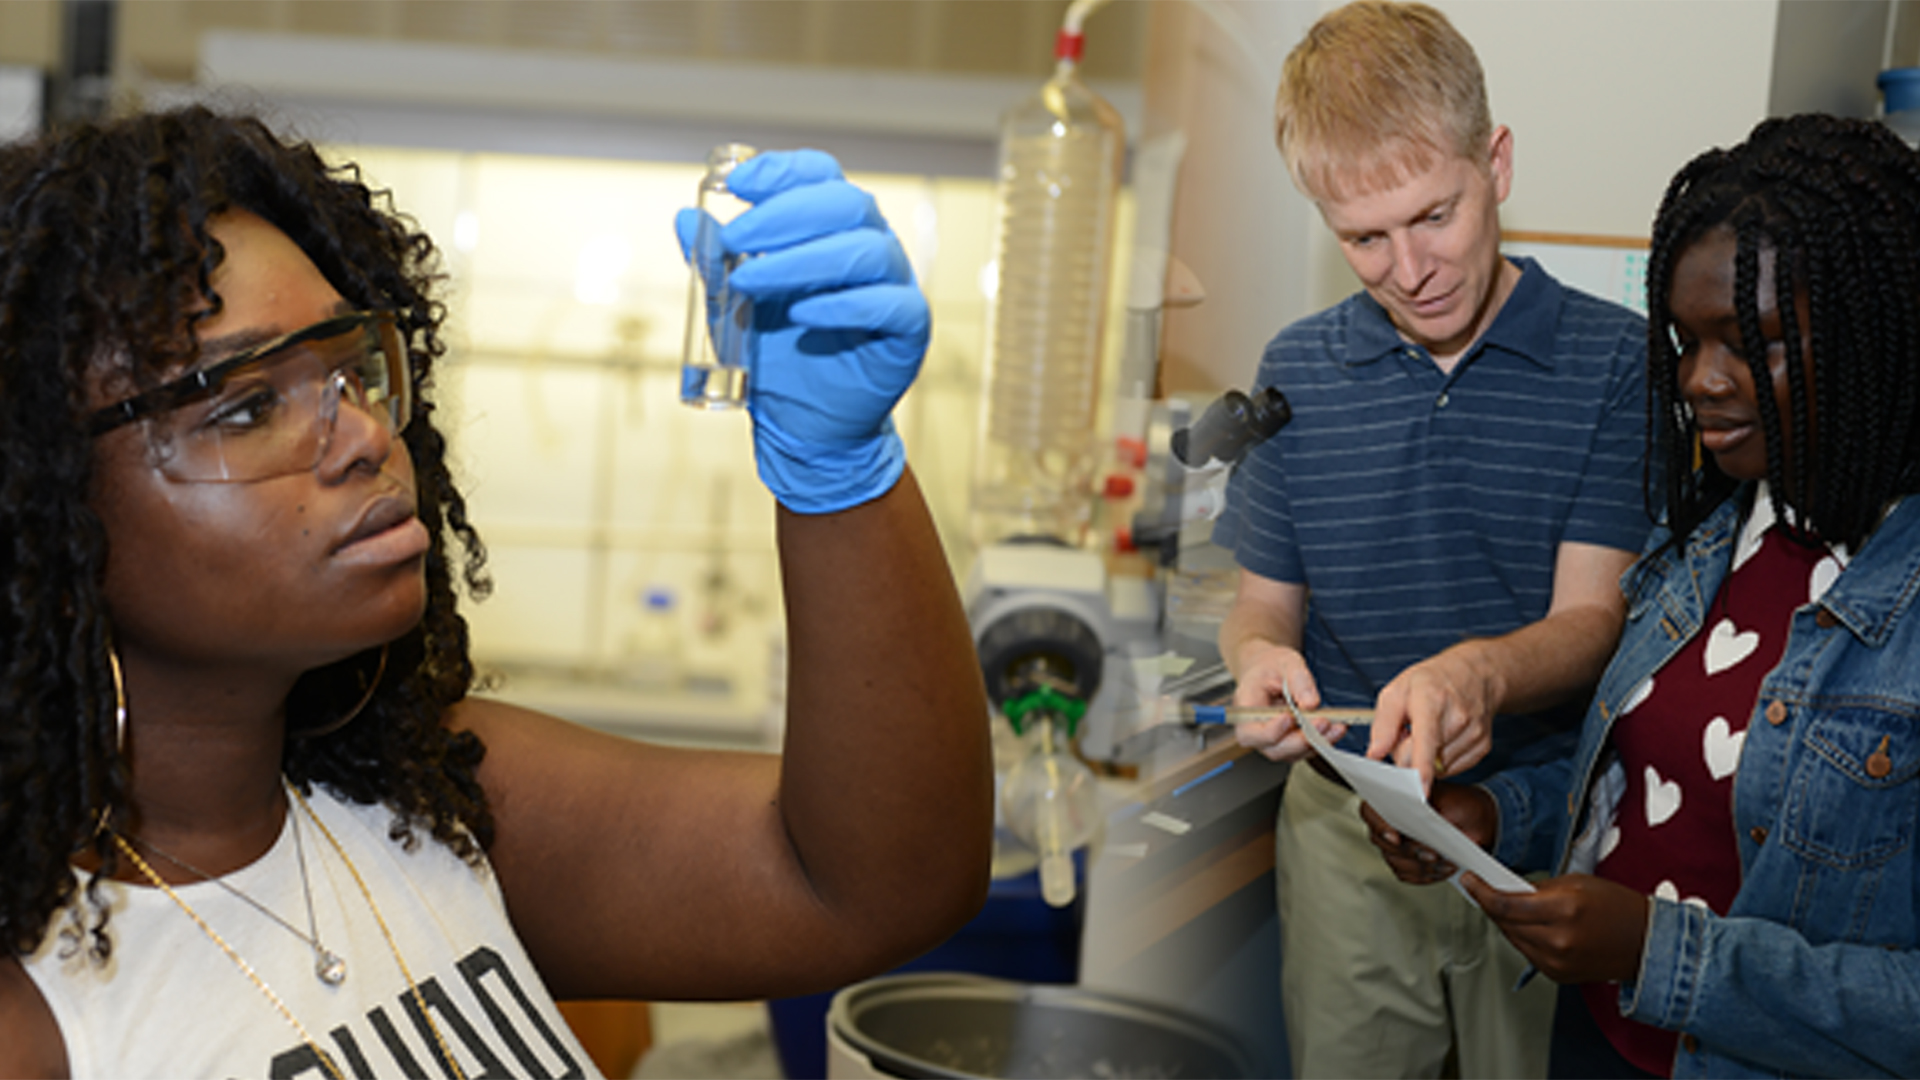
pixel 1438 534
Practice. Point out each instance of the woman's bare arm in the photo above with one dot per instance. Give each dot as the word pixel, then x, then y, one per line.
pixel 30 1043
pixel 637 870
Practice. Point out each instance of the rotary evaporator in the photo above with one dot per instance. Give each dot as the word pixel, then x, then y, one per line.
pixel 1038 601
pixel 1052 625
pixel 1067 623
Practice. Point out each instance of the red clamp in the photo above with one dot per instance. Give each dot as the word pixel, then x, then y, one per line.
pixel 1068 45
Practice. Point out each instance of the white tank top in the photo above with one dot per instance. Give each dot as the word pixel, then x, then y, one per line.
pixel 170 1003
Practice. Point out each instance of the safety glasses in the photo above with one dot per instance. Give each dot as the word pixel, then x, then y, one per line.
pixel 271 410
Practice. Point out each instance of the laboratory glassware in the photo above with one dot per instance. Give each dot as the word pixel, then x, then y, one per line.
pixel 716 360
pixel 1059 179
pixel 1050 801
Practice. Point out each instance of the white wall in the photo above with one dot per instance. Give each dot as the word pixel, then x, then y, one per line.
pixel 1238 224
pixel 20 104
pixel 1608 98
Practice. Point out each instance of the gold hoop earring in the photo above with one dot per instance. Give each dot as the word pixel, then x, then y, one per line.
pixel 346 718
pixel 119 701
pixel 102 821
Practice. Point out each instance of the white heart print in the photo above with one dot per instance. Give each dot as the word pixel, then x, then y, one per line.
pixel 1824 573
pixel 1663 797
pixel 1722 748
pixel 1640 694
pixel 1750 539
pixel 1727 646
pixel 1667 890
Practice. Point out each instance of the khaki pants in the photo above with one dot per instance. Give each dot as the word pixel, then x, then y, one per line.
pixel 1380 978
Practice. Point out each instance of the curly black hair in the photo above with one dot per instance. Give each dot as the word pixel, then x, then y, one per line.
pixel 1838 203
pixel 104 253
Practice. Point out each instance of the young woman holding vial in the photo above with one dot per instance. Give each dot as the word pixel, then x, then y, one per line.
pixel 252 821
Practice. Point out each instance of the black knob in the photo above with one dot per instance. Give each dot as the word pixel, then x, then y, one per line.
pixel 1231 425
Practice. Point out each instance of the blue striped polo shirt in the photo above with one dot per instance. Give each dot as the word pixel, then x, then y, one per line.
pixel 1422 507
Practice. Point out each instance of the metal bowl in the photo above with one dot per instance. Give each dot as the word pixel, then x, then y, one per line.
pixel 950 1025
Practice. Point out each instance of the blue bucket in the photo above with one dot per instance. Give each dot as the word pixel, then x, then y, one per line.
pixel 1900 89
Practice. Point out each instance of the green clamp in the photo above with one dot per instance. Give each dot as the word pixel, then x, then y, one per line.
pixel 1045 699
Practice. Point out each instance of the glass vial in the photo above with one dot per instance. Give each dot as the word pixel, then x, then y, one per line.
pixel 715 360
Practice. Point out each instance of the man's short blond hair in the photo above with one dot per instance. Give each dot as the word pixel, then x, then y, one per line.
pixel 1374 94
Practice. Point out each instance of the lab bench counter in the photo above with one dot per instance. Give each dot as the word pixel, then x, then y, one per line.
pixel 723 716
pixel 1180 900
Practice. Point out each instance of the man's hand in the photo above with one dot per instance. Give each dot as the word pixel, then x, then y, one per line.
pixel 1470 809
pixel 1575 929
pixel 1267 672
pixel 1436 717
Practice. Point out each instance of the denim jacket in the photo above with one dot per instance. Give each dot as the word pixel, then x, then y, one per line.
pixel 1815 968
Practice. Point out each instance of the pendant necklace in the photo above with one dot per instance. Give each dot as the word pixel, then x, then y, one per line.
pixel 413 988
pixel 322 955
pixel 329 966
pixel 326 1059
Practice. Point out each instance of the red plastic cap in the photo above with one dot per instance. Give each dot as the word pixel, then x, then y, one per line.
pixel 1131 450
pixel 1068 45
pixel 1123 540
pixel 1119 486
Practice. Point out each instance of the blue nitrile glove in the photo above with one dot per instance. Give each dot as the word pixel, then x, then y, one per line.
pixel 839 329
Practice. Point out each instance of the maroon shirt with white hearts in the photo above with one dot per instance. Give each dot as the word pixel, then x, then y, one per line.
pixel 1680 738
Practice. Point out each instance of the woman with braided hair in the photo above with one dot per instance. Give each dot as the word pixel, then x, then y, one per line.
pixel 1738 833
pixel 251 821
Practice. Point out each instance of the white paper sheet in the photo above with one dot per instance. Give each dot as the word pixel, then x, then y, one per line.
pixel 1395 794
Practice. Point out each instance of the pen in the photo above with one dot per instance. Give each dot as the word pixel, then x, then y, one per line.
pixel 1254 714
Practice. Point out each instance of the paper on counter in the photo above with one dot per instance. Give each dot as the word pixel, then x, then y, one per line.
pixel 1395 793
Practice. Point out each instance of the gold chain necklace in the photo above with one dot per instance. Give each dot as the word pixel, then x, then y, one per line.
pixel 419 1001
pixel 326 1060
pixel 238 960
pixel 328 966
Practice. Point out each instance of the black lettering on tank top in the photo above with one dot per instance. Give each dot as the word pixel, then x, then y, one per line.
pixel 454 1025
pixel 298 1061
pixel 484 961
pixel 402 1057
pixel 520 1027
pixel 350 1049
